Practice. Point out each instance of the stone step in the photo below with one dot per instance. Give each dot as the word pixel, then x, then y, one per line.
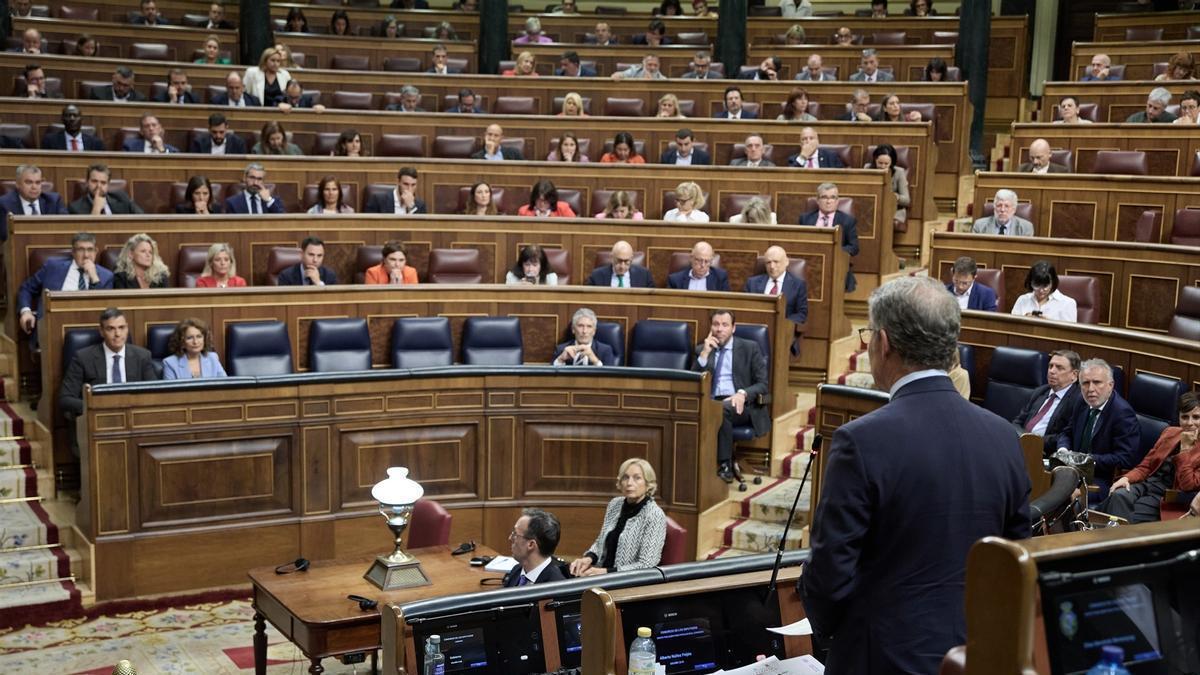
pixel 753 536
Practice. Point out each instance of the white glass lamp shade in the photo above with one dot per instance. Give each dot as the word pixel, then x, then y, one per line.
pixel 397 489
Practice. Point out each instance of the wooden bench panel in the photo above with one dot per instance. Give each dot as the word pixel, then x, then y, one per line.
pixel 1170 148
pixel 1111 27
pixel 1137 57
pixel 1116 101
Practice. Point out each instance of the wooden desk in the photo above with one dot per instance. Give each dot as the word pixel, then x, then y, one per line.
pixel 311 609
pixel 1170 148
pixel 1137 57
pixel 1111 27
pixel 1116 100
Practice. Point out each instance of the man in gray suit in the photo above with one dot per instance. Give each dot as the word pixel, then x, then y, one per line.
pixel 1004 220
pixel 869 70
pixel 814 70
pixel 755 149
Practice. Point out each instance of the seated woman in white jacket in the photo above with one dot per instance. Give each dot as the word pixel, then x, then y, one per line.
pixel 634 529
pixel 268 80
pixel 1044 299
pixel 689 199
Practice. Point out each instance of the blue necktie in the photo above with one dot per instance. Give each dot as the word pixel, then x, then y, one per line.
pixel 254 205
pixel 116 370
pixel 522 580
pixel 717 370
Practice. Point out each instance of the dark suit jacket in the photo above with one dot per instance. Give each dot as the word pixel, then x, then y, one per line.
pixel 742 161
pixel 191 209
pixel 105 93
pixel 139 145
pixel 908 488
pixel 89 367
pixel 57 140
pixel 141 21
pixel 1058 422
pixel 584 71
pixel 553 572
pixel 294 276
pixel 826 158
pixel 795 291
pixel 602 350
pixel 51 276
pixel 750 374
pixel 1116 438
pixel 385 202
pixel 710 75
pixel 746 115
pixel 458 109
pixel 48 203
pixel 717 279
pixel 849 238
pixel 223 99
pixel 640 39
pixel 234 145
pixel 507 153
pixel 982 297
pixel 188 97
pixel 237 204
pixel 639 277
pixel 699 157
pixel 118 202
pixel 1027 167
pixel 753 75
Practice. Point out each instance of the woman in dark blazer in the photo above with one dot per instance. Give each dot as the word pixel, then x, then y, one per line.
pixel 139 265
pixel 198 198
pixel 634 529
pixel 192 355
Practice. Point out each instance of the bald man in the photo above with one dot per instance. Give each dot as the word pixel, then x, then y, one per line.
pixel 621 272
pixel 31 42
pixel 492 149
pixel 1100 70
pixel 778 281
pixel 701 275
pixel 1039 159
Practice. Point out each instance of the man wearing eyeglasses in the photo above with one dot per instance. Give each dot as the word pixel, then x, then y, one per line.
pixel 701 276
pixel 533 540
pixel 621 272
pixel 701 68
pixel 828 215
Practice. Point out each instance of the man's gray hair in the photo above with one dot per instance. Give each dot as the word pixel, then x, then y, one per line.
pixel 1006 195
pixel 869 52
pixel 1160 94
pixel 22 169
pixel 1097 363
pixel 254 166
pixel 859 93
pixel 409 89
pixel 82 236
pixel 582 313
pixel 826 186
pixel 920 318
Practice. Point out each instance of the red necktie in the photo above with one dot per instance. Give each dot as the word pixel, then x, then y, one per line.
pixel 1033 422
pixel 774 287
pixel 74 145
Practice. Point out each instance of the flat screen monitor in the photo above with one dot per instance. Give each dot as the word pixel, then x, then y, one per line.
pixel 569 620
pixel 497 641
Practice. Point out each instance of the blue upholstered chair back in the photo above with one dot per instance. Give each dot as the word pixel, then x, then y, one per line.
pixel 612 334
pixel 1155 399
pixel 660 344
pixel 1013 374
pixel 756 333
pixel 339 345
pixel 158 339
pixel 257 349
pixel 76 339
pixel 422 342
pixel 492 341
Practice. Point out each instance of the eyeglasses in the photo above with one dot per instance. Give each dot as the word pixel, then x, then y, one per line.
pixel 865 335
pixel 623 261
pixel 516 535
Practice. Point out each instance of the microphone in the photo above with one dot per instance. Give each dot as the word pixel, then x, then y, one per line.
pixel 816 450
pixel 124 667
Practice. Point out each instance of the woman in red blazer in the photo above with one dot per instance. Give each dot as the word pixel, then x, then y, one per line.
pixel 220 269
pixel 1173 463
pixel 544 202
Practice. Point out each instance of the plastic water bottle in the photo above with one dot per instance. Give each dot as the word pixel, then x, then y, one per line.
pixel 435 660
pixel 1112 659
pixel 642 655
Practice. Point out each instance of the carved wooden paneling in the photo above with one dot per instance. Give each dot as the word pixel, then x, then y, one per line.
pixel 1151 302
pixel 503 460
pixel 111 459
pixel 566 456
pixel 316 469
pixel 441 456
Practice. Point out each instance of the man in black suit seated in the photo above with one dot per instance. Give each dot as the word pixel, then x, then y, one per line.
pixel 739 378
pixel 121 89
pixel 533 540
pixel 235 95
pixel 655 35
pixel 403 200
pixel 216 18
pixel 701 276
pixel 1039 159
pixel 113 361
pixel 1051 406
pixel 149 15
pixel 294 97
pixel 178 90
pixel 812 155
pixel 98 200
pixel 492 149
pixel 603 36
pixel 441 59
pixel 152 139
pixel 35 83
pixel 467 103
pixel 256 198
pixel 828 215
pixel 767 70
pixel 685 153
pixel 220 140
pixel 701 68
pixel 585 349
pixel 622 273
pixel 31 43
pixel 733 106
pixel 777 281
pixel 310 271
pixel 28 199
pixel 71 137
pixel 570 66
pixel 1104 427
pixel 856 109
pixel 410 101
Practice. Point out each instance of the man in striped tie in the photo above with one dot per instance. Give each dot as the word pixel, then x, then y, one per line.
pixel 533 540
pixel 1051 406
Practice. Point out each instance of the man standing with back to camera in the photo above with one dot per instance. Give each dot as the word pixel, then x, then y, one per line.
pixel 907 490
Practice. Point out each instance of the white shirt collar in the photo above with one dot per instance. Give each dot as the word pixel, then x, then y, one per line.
pixel 109 354
pixel 536 572
pixel 913 377
pixel 968 293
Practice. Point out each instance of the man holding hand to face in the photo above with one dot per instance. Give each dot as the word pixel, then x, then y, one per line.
pixel 255 198
pixel 739 377
pixel 101 201
pixel 402 200
pixel 151 140
pixel 310 271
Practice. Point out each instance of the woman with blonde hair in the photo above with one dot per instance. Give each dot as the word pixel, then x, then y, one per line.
pixel 269 79
pixel 572 106
pixel 689 199
pixel 220 269
pixel 524 67
pixel 757 211
pixel 139 265
pixel 634 529
pixel 668 106
pixel 212 52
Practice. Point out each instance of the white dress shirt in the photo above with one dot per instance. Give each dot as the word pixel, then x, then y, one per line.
pixel 696 216
pixel 771 284
pixel 240 103
pixel 533 574
pixel 218 149
pixel 1058 394
pixel 965 297
pixel 78 138
pixel 263 204
pixel 1059 307
pixel 723 378
pixel 400 209
pixel 617 278
pixel 913 377
pixel 697 283
pixel 811 162
pixel 681 160
pixel 108 361
pixel 31 208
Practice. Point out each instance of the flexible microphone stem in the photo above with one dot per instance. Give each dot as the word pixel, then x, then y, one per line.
pixel 816 448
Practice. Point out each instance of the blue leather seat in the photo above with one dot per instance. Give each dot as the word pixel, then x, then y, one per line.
pixel 1155 399
pixel 492 341
pixel 257 349
pixel 660 344
pixel 1119 380
pixel 612 334
pixel 339 345
pixel 422 342
pixel 158 340
pixel 966 358
pixel 758 334
pixel 74 340
pixel 1013 374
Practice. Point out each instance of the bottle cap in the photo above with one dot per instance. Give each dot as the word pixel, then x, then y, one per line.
pixel 644 632
pixel 435 639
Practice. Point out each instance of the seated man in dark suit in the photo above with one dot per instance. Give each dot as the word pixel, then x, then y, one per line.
pixel 755 153
pixel 812 155
pixel 31 43
pixel 622 273
pixel 98 200
pixel 1039 159
pixel 121 89
pixel 685 153
pixel 701 276
pixel 216 18
pixel 294 97
pixel 601 36
pixel 310 271
pixel 533 539
pixel 28 199
pixel 441 62
pixel 113 361
pixel 702 68
pixel 1104 427
pixel 256 198
pixel 570 66
pixel 585 349
pixel 410 100
pixel 35 82
pixel 828 215
pixel 71 137
pixel 178 90
pixel 492 148
pixel 235 95
pixel 739 378
pixel 655 35
pixel 401 201
pixel 1051 406
pixel 220 140
pixel 733 106
pixel 767 70
pixel 79 272
pixel 868 70
pixel 969 294
pixel 777 281
pixel 467 103
pixel 856 109
pixel 151 140
pixel 149 15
